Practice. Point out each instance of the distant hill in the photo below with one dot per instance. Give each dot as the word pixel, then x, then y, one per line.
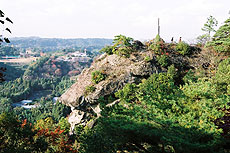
pixel 52 44
pixel 52 66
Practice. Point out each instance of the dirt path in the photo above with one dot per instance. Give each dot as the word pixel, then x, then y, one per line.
pixel 19 60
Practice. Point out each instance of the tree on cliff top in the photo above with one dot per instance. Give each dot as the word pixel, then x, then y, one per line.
pixel 221 39
pixel 210 25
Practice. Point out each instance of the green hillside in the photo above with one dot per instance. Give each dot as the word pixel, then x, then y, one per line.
pixel 183 107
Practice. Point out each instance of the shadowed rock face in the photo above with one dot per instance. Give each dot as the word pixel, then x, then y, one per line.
pixel 119 71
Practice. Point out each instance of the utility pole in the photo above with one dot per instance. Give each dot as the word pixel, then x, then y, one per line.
pixel 159 26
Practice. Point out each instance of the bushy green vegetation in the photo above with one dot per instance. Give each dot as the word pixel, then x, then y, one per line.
pixel 89 89
pixel 147 58
pixel 122 46
pixel 44 136
pixel 222 79
pixel 20 89
pixel 221 39
pixel 47 67
pixel 18 71
pixel 23 88
pixel 156 115
pixel 183 48
pixel 158 45
pixel 40 129
pixel 107 49
pixel 163 60
pixel 175 111
pixel 51 67
pixel 8 51
pixel 123 51
pixel 98 76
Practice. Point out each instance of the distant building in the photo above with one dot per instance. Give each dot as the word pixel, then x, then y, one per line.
pixel 78 54
pixel 24 104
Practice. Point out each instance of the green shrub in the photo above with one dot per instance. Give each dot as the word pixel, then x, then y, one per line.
pixel 222 77
pixel 64 125
pixel 221 39
pixel 172 72
pixel 123 46
pixel 147 58
pixel 137 45
pixel 127 94
pixel 89 89
pixel 158 45
pixel 189 77
pixel 123 51
pixel 158 113
pixel 122 41
pixel 107 49
pixel 183 48
pixel 163 60
pixel 98 76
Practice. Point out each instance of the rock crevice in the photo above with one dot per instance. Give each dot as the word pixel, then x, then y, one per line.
pixel 119 71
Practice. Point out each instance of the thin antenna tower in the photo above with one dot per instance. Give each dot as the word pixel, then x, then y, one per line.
pixel 159 26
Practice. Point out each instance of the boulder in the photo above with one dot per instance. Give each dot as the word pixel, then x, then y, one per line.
pixel 118 70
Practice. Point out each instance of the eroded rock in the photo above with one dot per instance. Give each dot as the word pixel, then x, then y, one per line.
pixel 119 71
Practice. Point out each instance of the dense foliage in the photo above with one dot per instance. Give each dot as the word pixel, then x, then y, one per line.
pixel 180 109
pixel 89 89
pixel 183 48
pixel 17 69
pixel 163 60
pixel 20 89
pixel 158 45
pixel 10 51
pixel 122 46
pixel 27 130
pixel 156 115
pixel 210 25
pixel 45 136
pixel 98 76
pixel 221 39
pixel 39 89
pixel 51 67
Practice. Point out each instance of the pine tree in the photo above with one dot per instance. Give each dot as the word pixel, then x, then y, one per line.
pixel 221 39
pixel 209 25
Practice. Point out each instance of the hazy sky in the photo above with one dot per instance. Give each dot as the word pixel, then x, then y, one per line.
pixel 107 18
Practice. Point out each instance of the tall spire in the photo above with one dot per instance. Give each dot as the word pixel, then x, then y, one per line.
pixel 159 26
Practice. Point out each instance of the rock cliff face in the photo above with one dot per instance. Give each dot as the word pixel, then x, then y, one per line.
pixel 118 70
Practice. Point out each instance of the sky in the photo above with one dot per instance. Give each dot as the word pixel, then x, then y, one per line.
pixel 107 18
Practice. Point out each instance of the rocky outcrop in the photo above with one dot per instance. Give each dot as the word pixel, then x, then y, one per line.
pixel 118 70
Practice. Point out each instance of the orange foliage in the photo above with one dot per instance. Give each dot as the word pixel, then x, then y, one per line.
pixel 57 138
pixel 24 122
